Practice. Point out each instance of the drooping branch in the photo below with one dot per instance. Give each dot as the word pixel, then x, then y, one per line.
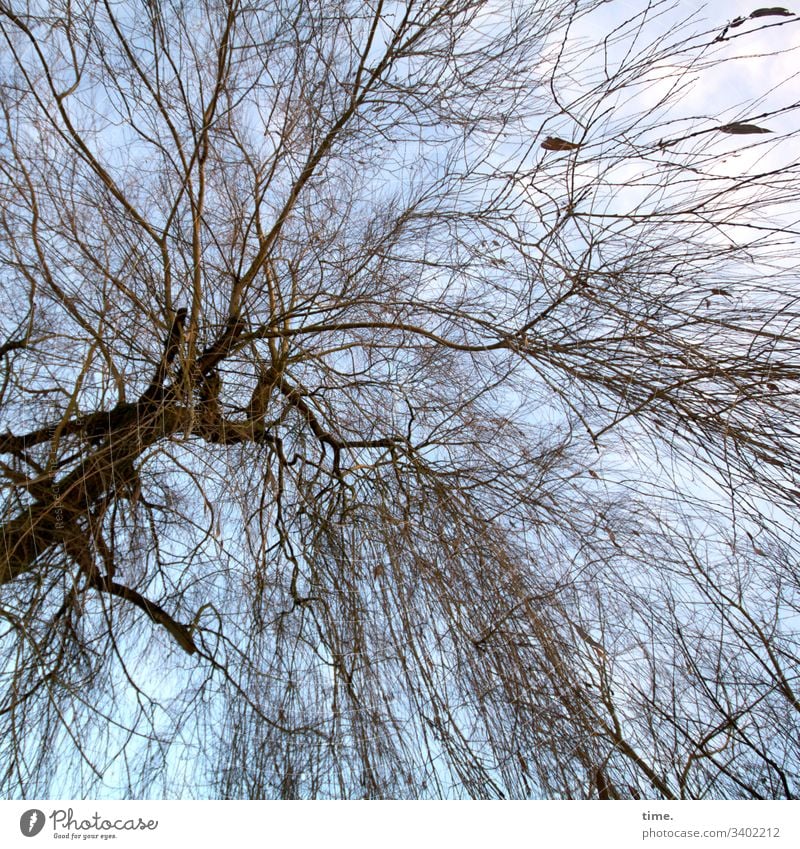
pixel 180 633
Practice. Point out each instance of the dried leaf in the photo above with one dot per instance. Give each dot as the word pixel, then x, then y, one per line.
pixel 737 128
pixel 777 11
pixel 723 292
pixel 554 143
pixel 600 651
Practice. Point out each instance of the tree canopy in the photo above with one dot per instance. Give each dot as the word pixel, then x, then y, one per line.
pixel 399 399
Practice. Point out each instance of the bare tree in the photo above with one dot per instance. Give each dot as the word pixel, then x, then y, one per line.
pixel 399 400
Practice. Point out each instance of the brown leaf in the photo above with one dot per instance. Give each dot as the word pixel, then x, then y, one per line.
pixel 740 129
pixel 771 11
pixel 723 292
pixel 554 143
